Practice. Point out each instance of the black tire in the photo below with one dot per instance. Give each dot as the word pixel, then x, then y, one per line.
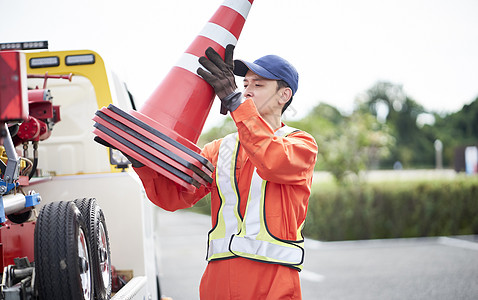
pixel 62 264
pixel 99 245
pixel 20 218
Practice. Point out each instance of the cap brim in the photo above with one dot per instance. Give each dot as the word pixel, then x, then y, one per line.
pixel 241 67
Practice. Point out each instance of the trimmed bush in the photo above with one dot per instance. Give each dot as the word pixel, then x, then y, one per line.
pixel 393 210
pixel 388 210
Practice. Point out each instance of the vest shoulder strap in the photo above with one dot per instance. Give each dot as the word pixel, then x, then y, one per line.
pixel 285 131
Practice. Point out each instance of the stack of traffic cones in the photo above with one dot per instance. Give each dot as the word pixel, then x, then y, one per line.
pixel 163 133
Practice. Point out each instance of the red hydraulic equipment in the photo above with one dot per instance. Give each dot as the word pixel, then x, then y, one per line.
pixel 13 87
pixel 163 133
pixel 43 114
pixel 36 115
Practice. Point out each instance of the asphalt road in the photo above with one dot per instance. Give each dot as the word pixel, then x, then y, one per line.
pixel 424 268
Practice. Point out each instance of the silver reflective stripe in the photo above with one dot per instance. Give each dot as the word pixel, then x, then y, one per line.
pixel 219 246
pixel 227 220
pixel 250 237
pixel 253 209
pixel 250 241
pixel 266 250
pixel 284 131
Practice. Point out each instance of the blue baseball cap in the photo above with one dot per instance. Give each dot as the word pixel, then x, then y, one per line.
pixel 270 67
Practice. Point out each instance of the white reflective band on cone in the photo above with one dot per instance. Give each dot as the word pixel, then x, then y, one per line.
pixel 218 34
pixel 189 62
pixel 241 6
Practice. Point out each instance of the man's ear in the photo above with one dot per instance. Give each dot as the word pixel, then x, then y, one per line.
pixel 285 95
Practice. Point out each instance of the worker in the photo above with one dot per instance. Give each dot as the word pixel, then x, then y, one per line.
pixel 261 183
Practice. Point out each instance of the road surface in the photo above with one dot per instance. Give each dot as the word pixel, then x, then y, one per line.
pixel 425 268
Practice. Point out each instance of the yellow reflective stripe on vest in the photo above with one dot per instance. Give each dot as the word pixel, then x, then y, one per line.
pixel 228 220
pixel 251 238
pixel 254 240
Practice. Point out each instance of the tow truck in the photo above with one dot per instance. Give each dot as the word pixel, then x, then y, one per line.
pixel 59 188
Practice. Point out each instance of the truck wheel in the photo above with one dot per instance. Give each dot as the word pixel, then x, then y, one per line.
pixel 62 261
pixel 99 245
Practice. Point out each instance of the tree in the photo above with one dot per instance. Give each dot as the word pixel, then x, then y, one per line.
pixel 323 123
pixel 217 132
pixel 382 130
pixel 360 144
pixel 390 104
pixel 347 145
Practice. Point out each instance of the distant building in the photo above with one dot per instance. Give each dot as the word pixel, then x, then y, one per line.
pixel 466 159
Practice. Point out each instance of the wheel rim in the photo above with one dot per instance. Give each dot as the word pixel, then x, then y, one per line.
pixel 104 256
pixel 85 269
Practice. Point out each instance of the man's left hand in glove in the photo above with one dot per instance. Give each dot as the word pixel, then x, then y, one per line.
pixel 221 77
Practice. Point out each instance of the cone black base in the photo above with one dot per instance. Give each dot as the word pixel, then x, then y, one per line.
pixel 152 148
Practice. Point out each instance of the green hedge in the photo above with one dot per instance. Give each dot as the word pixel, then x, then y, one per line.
pixel 393 210
pixel 389 210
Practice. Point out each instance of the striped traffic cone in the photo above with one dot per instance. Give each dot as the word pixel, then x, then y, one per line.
pixel 163 133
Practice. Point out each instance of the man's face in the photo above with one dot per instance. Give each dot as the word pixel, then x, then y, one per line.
pixel 263 92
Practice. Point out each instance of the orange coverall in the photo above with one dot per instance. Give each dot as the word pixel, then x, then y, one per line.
pixel 287 163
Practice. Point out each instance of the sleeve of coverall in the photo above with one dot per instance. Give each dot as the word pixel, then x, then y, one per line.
pixel 167 194
pixel 284 160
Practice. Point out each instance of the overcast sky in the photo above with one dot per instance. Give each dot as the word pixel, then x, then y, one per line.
pixel 341 48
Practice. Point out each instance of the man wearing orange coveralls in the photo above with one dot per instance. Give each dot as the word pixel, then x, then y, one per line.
pixel 261 187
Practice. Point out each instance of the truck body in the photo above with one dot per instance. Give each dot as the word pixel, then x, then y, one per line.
pixel 71 165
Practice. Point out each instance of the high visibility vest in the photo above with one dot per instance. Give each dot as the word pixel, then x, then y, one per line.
pixel 248 236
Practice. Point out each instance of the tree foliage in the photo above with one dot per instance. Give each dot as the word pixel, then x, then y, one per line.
pixel 384 128
pixel 347 144
pixel 217 132
pixel 390 104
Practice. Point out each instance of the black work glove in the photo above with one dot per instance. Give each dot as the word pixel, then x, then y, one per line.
pixel 221 77
pixel 133 161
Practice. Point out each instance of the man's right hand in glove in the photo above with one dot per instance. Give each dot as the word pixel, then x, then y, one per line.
pixel 221 76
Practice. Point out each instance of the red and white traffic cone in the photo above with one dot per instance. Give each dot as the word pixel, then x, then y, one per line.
pixel 163 133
